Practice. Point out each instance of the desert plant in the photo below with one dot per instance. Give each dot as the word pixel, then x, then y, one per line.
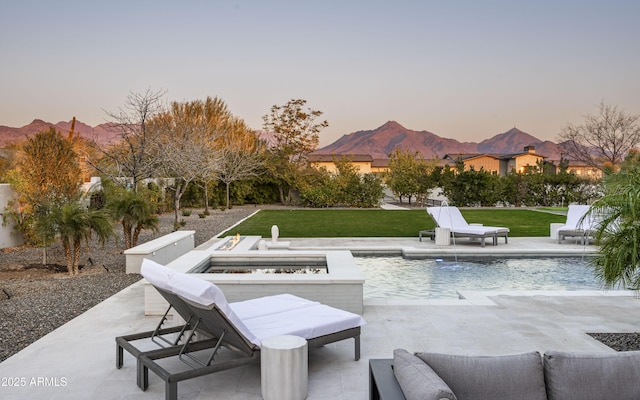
pixel 134 213
pixel 618 234
pixel 75 224
pixel 186 212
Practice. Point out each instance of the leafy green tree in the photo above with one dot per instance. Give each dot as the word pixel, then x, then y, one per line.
pixel 46 175
pixel 346 187
pixel 47 171
pixel 403 174
pixel 370 191
pixel 471 188
pixel 74 224
pixel 295 136
pixel 318 188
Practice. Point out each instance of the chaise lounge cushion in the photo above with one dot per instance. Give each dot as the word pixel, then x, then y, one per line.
pixel 588 376
pixel 490 377
pixel 417 379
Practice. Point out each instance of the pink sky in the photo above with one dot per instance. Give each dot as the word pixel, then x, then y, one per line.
pixel 460 69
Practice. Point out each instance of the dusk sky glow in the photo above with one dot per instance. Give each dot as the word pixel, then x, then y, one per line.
pixel 465 69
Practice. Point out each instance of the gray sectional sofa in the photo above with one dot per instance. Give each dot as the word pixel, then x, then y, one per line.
pixel 531 376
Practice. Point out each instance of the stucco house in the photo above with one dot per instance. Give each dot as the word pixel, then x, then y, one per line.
pixel 362 162
pixel 499 164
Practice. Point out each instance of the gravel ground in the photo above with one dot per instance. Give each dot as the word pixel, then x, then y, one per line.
pixel 36 299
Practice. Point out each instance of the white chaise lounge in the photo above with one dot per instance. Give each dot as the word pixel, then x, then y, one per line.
pixel 239 327
pixel 579 223
pixel 451 218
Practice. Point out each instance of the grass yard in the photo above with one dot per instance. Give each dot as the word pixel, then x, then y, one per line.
pixel 385 223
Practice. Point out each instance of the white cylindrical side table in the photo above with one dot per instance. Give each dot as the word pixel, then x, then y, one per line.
pixel 553 230
pixel 284 368
pixel 443 237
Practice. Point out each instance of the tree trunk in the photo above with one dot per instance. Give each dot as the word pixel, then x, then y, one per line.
pixel 176 204
pixel 67 255
pixel 136 234
pixel 206 197
pixel 126 230
pixel 77 246
pixel 227 183
pixel 281 192
pixel 289 196
pixel 44 251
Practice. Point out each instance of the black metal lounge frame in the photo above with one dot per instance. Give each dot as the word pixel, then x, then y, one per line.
pixel 157 335
pixel 171 380
pixel 220 332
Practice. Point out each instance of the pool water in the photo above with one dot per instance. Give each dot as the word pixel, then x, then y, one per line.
pixel 396 277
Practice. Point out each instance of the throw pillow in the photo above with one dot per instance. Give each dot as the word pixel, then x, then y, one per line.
pixel 417 380
pixel 490 377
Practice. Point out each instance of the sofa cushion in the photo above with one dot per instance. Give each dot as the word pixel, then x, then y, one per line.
pixel 490 377
pixel 588 376
pixel 417 380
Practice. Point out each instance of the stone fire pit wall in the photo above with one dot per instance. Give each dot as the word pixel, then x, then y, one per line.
pixel 341 287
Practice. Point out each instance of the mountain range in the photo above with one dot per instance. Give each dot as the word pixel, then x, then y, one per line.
pixel 100 133
pixel 378 143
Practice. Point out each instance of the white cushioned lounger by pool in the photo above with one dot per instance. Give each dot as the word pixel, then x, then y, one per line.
pixel 240 326
pixel 450 217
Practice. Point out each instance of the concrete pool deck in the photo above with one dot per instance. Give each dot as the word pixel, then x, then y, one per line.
pixel 77 360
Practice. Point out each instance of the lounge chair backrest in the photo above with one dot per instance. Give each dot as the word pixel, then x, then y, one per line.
pixel 199 291
pixel 205 294
pixel 447 217
pixel 156 274
pixel 575 214
pixel 191 289
pixel 159 276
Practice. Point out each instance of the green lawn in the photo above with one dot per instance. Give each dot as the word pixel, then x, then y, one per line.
pixel 385 223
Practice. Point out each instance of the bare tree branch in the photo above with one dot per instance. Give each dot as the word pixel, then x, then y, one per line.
pixel 603 139
pixel 131 157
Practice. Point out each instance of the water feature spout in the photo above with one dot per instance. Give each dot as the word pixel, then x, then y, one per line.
pixel 445 203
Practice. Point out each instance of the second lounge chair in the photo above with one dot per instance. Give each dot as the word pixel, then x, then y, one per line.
pixel 450 217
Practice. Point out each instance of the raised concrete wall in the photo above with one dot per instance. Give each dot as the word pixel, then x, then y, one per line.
pixel 341 287
pixel 162 250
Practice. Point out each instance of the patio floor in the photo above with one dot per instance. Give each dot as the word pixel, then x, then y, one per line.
pixel 77 361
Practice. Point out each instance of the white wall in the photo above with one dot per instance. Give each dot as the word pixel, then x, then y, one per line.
pixel 8 237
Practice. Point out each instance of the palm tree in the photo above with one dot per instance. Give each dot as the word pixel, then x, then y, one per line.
pixel 134 213
pixel 618 234
pixel 75 224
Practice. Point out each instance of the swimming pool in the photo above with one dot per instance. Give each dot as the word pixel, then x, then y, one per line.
pixel 396 277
